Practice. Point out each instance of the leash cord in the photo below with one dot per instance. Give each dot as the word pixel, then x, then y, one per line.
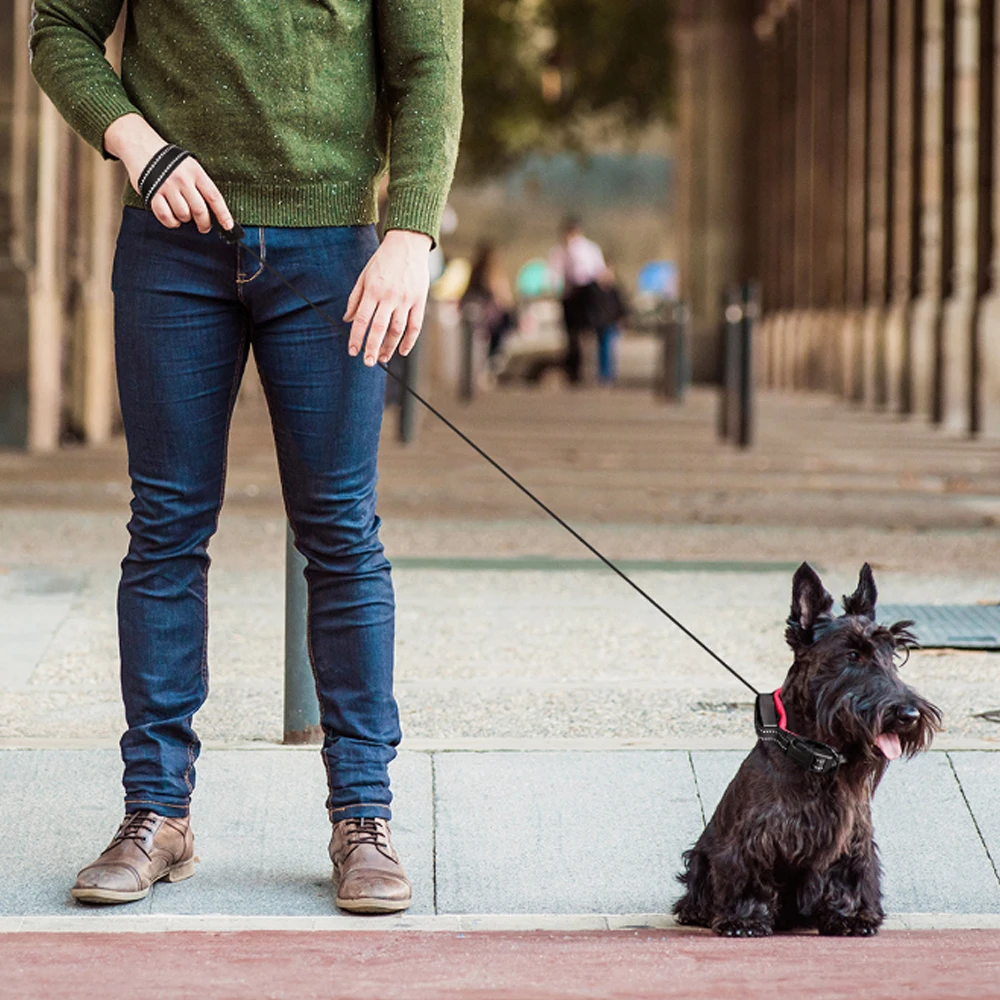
pixel 496 465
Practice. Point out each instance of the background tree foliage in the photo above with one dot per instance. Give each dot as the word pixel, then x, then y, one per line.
pixel 536 71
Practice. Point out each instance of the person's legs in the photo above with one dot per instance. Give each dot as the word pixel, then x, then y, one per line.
pixel 607 346
pixel 180 346
pixel 326 409
pixel 574 355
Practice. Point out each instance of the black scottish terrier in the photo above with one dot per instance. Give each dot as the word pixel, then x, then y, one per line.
pixel 790 844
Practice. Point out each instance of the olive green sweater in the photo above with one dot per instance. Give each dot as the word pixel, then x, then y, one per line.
pixel 294 107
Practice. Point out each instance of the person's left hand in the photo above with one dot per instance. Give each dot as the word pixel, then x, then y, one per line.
pixel 390 296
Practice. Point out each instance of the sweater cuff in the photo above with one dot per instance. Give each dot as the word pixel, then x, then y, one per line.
pixel 94 113
pixel 416 208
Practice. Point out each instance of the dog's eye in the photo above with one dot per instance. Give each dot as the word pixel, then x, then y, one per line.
pixel 854 656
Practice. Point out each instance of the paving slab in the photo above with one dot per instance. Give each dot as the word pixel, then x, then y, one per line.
pixel 978 773
pixel 33 606
pixel 260 827
pixel 262 834
pixel 568 832
pixel 714 769
pixel 933 856
pixel 60 809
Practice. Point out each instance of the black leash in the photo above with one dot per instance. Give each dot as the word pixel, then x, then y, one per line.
pixel 234 237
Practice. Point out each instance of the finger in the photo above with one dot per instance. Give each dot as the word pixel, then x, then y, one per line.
pixel 199 210
pixel 397 328
pixel 363 316
pixel 213 198
pixel 413 328
pixel 177 202
pixel 161 209
pixel 377 331
pixel 355 298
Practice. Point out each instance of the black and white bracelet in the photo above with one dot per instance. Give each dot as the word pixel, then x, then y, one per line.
pixel 159 168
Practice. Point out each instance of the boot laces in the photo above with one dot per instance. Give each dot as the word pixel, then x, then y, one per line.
pixel 367 830
pixel 136 827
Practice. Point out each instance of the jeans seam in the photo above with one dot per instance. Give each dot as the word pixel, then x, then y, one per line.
pixel 274 410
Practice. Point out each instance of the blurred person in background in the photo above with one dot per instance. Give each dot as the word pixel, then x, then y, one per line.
pixel 615 309
pixel 490 289
pixel 579 264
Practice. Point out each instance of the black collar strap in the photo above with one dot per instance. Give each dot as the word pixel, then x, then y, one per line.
pixel 813 756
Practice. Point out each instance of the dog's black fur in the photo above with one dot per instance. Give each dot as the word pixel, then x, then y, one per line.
pixel 786 848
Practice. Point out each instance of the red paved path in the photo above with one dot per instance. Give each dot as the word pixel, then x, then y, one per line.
pixel 497 966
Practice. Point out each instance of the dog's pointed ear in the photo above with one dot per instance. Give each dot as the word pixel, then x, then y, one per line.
pixel 862 601
pixel 810 602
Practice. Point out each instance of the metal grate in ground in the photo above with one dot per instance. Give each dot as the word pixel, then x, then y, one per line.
pixel 952 626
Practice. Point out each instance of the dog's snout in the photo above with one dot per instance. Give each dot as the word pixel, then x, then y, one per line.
pixel 907 714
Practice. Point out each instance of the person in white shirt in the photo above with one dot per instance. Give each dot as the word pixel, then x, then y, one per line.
pixel 579 264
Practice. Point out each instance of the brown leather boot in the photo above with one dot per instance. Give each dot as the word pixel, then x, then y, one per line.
pixel 146 848
pixel 366 869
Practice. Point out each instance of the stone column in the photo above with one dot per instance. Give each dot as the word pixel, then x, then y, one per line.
pixel 879 204
pixel 906 121
pixel 833 251
pixel 716 144
pixel 958 329
pixel 788 81
pixel 769 232
pixel 989 308
pixel 805 166
pixel 45 340
pixel 925 324
pixel 856 214
pixel 98 390
pixel 687 203
pixel 822 99
pixel 14 115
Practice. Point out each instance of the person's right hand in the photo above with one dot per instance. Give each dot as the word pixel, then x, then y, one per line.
pixel 188 193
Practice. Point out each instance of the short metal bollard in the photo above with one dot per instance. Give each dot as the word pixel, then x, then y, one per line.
pixel 301 704
pixel 748 327
pixel 407 401
pixel 675 366
pixel 471 322
pixel 741 308
pixel 732 319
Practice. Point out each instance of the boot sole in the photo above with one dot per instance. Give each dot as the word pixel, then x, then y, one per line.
pixel 371 905
pixel 97 895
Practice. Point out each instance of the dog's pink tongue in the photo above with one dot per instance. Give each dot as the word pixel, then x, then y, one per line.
pixel 889 744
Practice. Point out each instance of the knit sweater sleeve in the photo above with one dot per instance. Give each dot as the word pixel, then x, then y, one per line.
pixel 67 60
pixel 421 47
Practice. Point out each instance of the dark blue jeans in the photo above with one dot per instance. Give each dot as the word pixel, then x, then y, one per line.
pixel 188 308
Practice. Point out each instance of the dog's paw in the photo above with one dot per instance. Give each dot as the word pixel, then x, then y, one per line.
pixel 742 928
pixel 690 917
pixel 850 927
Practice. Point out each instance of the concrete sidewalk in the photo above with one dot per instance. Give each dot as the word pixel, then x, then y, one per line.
pixel 530 832
pixel 489 653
